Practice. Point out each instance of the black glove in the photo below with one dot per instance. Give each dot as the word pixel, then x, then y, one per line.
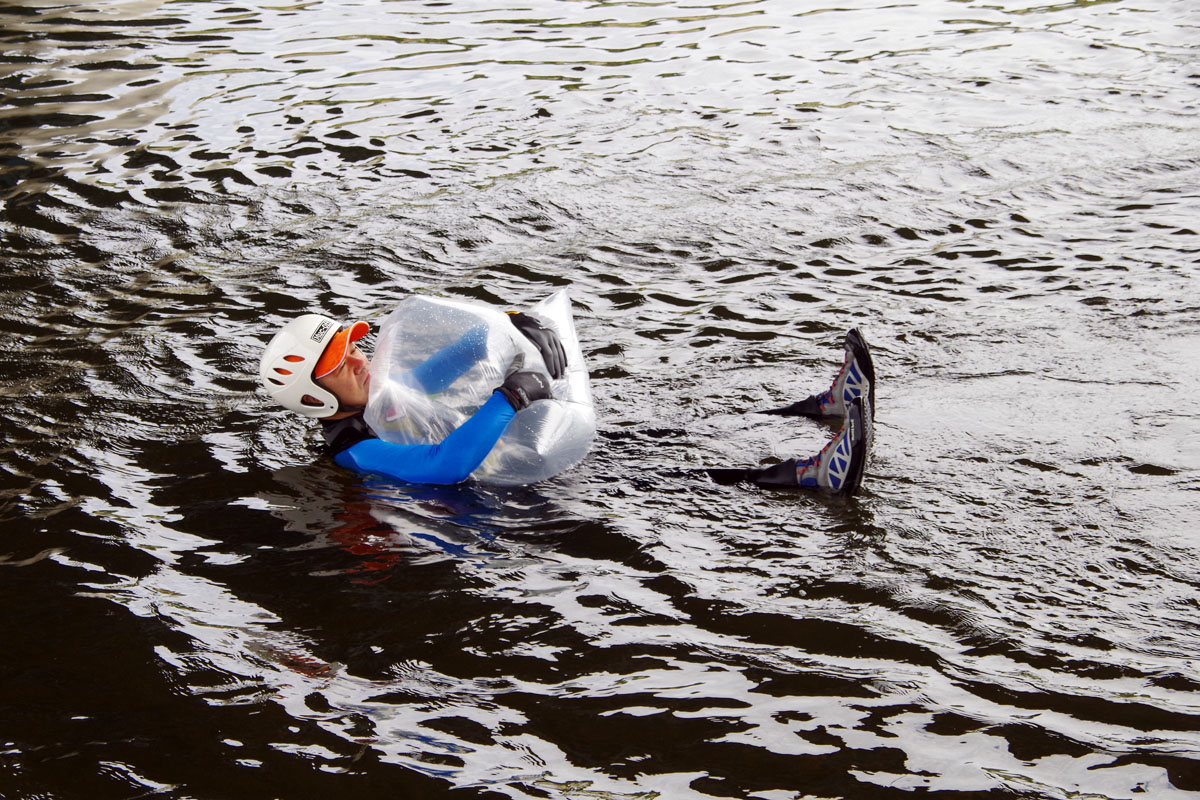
pixel 545 340
pixel 522 388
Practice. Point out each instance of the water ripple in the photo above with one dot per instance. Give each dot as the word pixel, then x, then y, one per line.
pixel 1002 195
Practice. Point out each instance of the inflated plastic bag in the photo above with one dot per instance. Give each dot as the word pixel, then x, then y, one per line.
pixel 437 361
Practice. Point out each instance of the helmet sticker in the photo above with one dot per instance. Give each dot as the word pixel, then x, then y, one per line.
pixel 321 330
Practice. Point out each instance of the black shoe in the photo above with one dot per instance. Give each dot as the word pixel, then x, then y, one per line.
pixel 855 379
pixel 837 469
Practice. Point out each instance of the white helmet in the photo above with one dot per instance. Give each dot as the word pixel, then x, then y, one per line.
pixel 286 370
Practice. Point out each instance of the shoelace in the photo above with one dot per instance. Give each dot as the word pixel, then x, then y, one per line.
pixel 804 463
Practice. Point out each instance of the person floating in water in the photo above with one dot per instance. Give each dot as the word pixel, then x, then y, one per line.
pixel 315 368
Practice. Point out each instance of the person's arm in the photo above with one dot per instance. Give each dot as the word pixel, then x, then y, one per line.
pixel 448 364
pixel 451 461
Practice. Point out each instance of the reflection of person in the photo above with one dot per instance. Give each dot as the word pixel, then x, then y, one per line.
pixel 313 368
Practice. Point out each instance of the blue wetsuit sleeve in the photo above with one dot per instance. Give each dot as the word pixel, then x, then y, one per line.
pixel 446 365
pixel 451 461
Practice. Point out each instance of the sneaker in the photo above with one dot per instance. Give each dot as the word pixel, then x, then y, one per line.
pixel 855 379
pixel 837 469
pixel 839 466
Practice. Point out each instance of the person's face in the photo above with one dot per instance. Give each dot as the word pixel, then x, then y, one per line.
pixel 350 381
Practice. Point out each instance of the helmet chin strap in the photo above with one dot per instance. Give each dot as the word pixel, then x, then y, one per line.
pixel 343 407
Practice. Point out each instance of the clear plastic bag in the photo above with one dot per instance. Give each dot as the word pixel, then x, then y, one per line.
pixel 437 361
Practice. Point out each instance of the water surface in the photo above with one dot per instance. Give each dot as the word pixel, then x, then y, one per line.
pixel 1002 195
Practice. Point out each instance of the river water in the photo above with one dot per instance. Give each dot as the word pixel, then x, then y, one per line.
pixel 1003 195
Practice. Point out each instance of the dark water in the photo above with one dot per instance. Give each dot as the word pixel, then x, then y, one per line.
pixel 1002 194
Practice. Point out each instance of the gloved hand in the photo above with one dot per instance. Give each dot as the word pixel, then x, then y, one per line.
pixel 522 388
pixel 545 340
